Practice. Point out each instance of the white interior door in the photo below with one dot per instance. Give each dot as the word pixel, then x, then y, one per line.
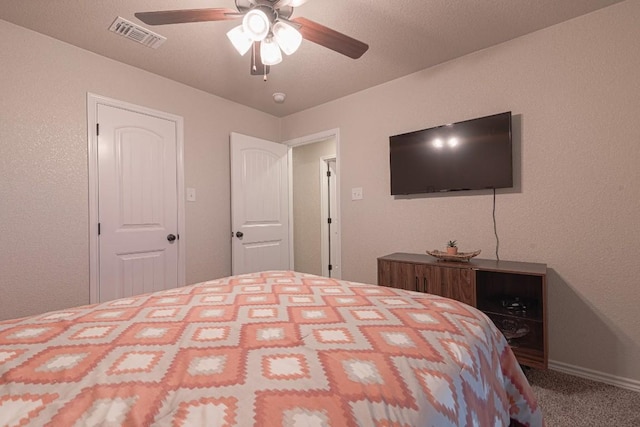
pixel 330 230
pixel 137 203
pixel 259 205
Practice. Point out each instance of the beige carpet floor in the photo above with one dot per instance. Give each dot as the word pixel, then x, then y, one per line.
pixel 575 402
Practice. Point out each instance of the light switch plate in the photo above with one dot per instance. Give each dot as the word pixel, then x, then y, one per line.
pixel 356 193
pixel 191 194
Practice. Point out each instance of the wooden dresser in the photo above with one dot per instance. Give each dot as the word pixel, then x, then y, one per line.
pixel 512 294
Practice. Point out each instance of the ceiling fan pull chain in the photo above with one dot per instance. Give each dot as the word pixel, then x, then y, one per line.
pixel 253 58
pixel 264 78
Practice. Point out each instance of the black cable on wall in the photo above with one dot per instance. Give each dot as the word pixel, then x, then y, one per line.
pixel 495 228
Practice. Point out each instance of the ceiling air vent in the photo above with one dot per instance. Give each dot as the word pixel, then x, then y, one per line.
pixel 136 33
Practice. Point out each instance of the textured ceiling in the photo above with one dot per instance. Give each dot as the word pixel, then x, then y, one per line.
pixel 404 36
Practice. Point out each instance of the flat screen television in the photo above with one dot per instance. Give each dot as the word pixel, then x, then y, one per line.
pixel 470 155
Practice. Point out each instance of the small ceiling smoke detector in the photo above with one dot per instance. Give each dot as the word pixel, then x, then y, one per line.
pixel 279 97
pixel 136 33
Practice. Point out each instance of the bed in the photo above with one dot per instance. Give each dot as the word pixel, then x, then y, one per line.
pixel 275 348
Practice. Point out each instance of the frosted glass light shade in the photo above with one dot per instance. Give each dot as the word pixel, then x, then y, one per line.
pixel 240 40
pixel 288 38
pixel 292 3
pixel 256 24
pixel 270 52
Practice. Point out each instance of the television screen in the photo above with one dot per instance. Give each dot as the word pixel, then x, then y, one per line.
pixel 469 155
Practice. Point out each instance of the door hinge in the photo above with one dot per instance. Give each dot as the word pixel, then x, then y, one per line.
pixel 329 174
pixel 330 267
pixel 98 129
pixel 98 229
pixel 328 220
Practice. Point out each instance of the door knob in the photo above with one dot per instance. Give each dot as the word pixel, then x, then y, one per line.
pixel 239 234
pixel 171 237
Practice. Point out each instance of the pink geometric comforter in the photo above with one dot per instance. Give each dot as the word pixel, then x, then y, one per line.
pixel 265 349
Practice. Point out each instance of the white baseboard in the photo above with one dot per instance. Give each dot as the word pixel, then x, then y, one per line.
pixel 622 382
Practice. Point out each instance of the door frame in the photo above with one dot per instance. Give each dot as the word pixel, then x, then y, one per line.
pixel 310 139
pixel 93 101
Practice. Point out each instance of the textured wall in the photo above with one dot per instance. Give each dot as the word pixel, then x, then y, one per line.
pixel 44 255
pixel 575 92
pixel 306 204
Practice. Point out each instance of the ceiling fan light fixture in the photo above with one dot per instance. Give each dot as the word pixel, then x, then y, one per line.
pixel 256 24
pixel 270 52
pixel 287 37
pixel 240 40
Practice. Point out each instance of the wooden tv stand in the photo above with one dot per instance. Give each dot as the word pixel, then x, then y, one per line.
pixel 512 294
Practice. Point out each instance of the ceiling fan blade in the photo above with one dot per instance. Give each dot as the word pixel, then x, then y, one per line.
pixel 331 39
pixel 163 17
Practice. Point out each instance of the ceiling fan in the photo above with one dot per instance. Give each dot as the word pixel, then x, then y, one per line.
pixel 267 29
